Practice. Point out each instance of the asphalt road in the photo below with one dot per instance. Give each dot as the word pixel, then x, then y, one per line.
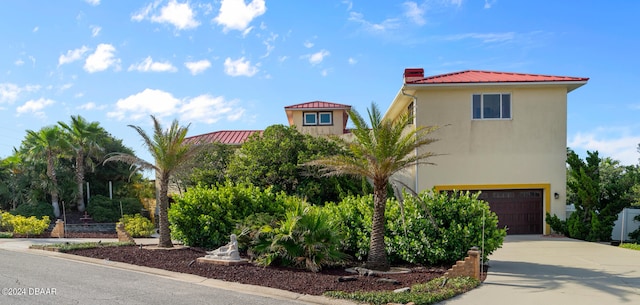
pixel 27 278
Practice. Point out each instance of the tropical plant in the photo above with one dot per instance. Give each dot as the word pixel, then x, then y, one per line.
pixel 103 209
pixel 82 137
pixel 137 226
pixel 170 153
pixel 377 152
pixel 48 144
pixel 306 238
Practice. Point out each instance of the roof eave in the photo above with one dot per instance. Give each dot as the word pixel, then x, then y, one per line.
pixel 571 85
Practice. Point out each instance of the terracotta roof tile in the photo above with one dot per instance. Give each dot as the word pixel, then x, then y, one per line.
pixel 476 76
pixel 231 137
pixel 318 105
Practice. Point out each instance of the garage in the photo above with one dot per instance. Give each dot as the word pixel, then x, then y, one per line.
pixel 519 210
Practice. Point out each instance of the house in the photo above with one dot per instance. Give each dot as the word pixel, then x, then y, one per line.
pixel 504 134
pixel 315 118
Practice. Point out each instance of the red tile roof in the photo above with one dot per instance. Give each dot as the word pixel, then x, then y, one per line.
pixel 318 105
pixel 231 137
pixel 476 76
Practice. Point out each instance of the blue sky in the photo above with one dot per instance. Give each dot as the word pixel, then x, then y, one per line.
pixel 234 64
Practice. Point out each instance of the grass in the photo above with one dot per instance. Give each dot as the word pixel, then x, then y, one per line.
pixel 6 235
pixel 434 291
pixel 630 246
pixel 66 247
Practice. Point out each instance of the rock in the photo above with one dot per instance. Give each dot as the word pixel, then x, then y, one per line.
pixel 402 290
pixel 386 280
pixel 347 278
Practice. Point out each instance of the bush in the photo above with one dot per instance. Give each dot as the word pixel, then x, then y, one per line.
pixel 103 209
pixel 19 224
pixel 557 225
pixel 38 210
pixel 352 217
pixel 306 239
pixel 439 228
pixel 138 226
pixel 205 217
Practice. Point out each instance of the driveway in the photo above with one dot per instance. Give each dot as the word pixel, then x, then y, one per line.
pixel 531 269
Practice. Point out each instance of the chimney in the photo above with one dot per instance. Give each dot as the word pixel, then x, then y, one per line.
pixel 413 74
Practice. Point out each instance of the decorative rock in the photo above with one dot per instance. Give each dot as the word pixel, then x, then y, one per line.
pixel 386 280
pixel 347 278
pixel 402 290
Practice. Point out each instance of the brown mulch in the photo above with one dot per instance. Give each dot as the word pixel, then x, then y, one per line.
pixel 299 281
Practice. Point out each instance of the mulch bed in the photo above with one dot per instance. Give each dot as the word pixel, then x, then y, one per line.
pixel 299 281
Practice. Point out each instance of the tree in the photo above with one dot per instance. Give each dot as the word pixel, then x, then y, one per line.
pixel 209 167
pixel 378 152
pixel 47 144
pixel 82 136
pixel 171 153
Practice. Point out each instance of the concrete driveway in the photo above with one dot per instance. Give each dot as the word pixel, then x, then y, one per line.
pixel 541 270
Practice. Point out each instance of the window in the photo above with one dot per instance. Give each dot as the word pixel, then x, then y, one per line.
pixel 310 118
pixel 317 118
pixel 410 112
pixel 491 106
pixel 325 118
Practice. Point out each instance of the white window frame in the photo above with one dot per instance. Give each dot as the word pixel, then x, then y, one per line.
pixel 330 118
pixel 304 118
pixel 501 94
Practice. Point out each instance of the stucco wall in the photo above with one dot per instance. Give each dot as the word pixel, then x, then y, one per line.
pixel 529 149
pixel 336 128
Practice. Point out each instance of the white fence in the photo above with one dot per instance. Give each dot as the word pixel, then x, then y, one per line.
pixel 625 224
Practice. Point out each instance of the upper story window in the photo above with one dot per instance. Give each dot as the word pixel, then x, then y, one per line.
pixel 317 118
pixel 491 106
pixel 410 111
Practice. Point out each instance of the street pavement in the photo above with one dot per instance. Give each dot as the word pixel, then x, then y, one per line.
pixel 533 269
pixel 528 269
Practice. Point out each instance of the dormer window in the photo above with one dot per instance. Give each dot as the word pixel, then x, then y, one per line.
pixel 317 118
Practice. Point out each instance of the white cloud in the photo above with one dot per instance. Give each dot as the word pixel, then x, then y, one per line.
pixel 91 106
pixel 386 25
pixel 414 12
pixel 72 55
pixel 95 30
pixel 325 72
pixel 102 59
pixel 352 61
pixel 204 108
pixel 209 109
pixel 484 37
pixel 236 15
pixel 317 57
pixel 348 3
pixel 269 43
pixel 34 107
pixel 239 67
pixel 619 143
pixel 66 86
pixel 457 3
pixel 19 62
pixel 197 67
pixel 35 29
pixel 148 65
pixel 308 44
pixel 9 92
pixel 93 2
pixel 180 15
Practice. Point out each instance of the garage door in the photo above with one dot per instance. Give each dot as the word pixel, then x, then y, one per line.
pixel 518 210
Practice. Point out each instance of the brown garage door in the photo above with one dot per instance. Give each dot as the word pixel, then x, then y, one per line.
pixel 518 210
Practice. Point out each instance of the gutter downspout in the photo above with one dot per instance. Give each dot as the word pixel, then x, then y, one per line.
pixel 415 104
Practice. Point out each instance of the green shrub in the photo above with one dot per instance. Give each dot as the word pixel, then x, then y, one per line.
pixel 439 228
pixel 38 210
pixel 557 225
pixel 103 209
pixel 352 217
pixel 205 217
pixel 138 226
pixel 19 224
pixel 306 239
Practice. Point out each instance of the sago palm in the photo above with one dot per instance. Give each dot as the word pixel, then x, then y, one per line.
pixel 170 153
pixel 377 152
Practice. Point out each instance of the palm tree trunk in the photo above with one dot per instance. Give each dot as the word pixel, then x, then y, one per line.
pixel 163 221
pixel 377 259
pixel 80 180
pixel 51 172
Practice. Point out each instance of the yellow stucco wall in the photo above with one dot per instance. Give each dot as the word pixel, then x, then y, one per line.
pixel 529 149
pixel 336 128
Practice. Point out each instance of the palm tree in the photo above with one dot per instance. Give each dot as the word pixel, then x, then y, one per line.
pixel 376 153
pixel 47 144
pixel 82 136
pixel 171 153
